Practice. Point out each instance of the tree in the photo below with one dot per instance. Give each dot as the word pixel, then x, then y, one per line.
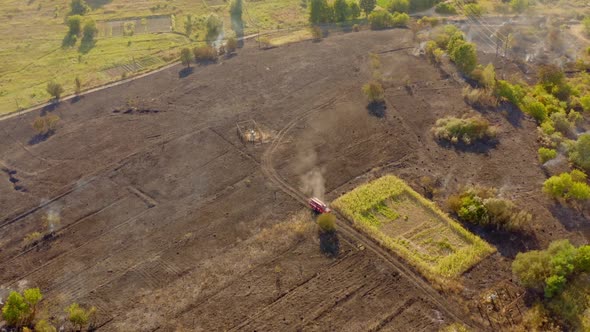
pixel 579 153
pixel 400 6
pixel 88 34
pixel 319 11
pixel 380 19
pixel 235 11
pixel 340 10
pixel 32 297
pixel 355 9
pixel 368 6
pixel 79 7
pixel 78 85
pixel 74 23
pixel 78 316
pixel 16 310
pixel 374 92
pixel 186 56
pixel 55 90
pixel 327 222
pixel 465 57
pixel 531 268
pixel 44 326
pixel 214 27
pixel 189 24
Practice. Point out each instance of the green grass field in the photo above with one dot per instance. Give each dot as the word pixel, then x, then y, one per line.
pixel 402 220
pixel 32 54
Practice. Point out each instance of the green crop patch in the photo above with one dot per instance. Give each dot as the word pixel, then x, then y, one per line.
pixel 402 220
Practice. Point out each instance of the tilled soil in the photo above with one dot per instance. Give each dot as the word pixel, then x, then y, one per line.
pixel 163 209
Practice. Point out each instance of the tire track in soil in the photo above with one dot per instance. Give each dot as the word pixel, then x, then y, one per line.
pixel 350 234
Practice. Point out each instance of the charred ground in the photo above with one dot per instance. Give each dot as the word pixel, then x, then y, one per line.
pixel 169 222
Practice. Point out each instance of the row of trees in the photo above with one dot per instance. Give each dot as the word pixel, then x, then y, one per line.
pixel 320 11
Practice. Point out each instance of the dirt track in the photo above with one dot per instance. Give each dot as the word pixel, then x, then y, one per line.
pixel 162 207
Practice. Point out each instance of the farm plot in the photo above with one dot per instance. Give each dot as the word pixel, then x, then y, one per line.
pixel 400 219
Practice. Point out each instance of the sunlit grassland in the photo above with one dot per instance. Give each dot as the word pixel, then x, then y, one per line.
pixel 31 51
pixel 402 220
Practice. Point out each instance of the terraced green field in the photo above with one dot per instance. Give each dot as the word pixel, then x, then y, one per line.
pixel 402 220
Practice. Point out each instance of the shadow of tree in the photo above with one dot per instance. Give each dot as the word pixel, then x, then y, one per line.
pixel 329 243
pixel 377 109
pixel 69 41
pixel 39 138
pixel 482 147
pixel 94 4
pixel 76 99
pixel 184 72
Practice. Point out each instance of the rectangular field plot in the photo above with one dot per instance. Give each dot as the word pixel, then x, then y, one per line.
pixel 402 220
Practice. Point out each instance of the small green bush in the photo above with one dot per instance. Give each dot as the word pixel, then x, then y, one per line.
pixel 445 8
pixel 568 186
pixel 546 154
pixel 466 130
pixel 374 92
pixel 579 153
pixel 399 6
pixel 513 93
pixel 327 222
pixel 381 19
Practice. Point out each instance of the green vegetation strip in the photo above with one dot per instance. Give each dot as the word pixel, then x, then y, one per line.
pixel 364 203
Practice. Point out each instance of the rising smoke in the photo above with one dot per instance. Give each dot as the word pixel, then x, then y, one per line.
pixel 312 180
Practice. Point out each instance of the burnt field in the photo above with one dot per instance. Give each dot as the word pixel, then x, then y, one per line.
pixel 156 212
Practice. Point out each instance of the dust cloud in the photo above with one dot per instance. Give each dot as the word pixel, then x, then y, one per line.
pixel 312 180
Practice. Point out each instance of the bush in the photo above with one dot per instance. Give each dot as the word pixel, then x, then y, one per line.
pixel 464 55
pixel 445 8
pixel 78 316
pixel 44 326
pixel 399 6
pixel 374 92
pixel 327 222
pixel 481 206
pixel 512 93
pixel 473 10
pixel 19 310
pixel 579 153
pixel 568 186
pixel 45 125
pixel 356 28
pixel 231 45
pixel 466 130
pixel 561 123
pixel 205 53
pixel 479 98
pixel 534 108
pixel 54 89
pixel 546 154
pixel 400 19
pixel 554 285
pixel 380 19
pixel 214 26
pixel 316 33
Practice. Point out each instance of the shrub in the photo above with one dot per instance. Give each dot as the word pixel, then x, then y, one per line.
pixel 316 33
pixel 205 53
pixel 356 28
pixel 231 45
pixel 380 19
pixel 534 108
pixel 585 103
pixel 445 8
pixel 400 19
pixel 19 310
pixel 586 25
pixel 561 123
pixel 579 153
pixel 45 125
pixel 32 237
pixel 78 316
pixel 473 10
pixel 54 89
pixel 479 98
pixel 569 186
pixel 374 92
pixel 399 6
pixel 512 93
pixel 554 285
pixel 546 154
pixel 44 326
pixel 466 130
pixel 481 206
pixel 327 222
pixel 464 55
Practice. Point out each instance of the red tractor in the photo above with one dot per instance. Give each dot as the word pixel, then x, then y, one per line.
pixel 318 206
